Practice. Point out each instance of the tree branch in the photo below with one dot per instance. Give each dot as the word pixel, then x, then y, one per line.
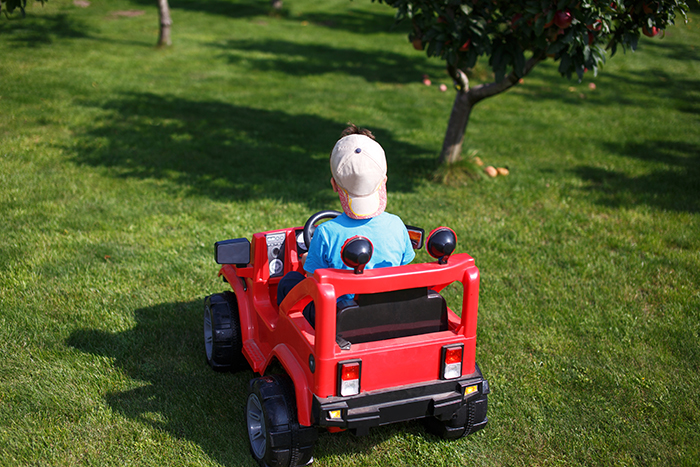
pixel 491 89
pixel 459 77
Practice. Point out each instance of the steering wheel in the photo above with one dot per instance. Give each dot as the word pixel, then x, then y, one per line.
pixel 310 225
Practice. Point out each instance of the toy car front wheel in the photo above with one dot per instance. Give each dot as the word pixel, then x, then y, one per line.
pixel 276 438
pixel 222 332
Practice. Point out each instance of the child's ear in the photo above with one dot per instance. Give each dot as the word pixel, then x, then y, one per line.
pixel 334 185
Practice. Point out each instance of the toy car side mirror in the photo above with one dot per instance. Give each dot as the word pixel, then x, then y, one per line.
pixel 441 243
pixel 235 251
pixel 416 235
pixel 356 253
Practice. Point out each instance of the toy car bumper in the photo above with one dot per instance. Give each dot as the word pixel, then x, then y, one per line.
pixel 440 399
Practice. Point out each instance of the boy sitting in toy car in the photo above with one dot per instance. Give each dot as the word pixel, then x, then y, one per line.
pixel 358 168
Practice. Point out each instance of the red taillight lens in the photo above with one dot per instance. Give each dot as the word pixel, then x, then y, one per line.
pixel 453 355
pixel 349 378
pixel 451 364
pixel 350 371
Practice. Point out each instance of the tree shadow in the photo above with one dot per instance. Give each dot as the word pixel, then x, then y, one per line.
pixel 36 31
pixel 317 59
pixel 224 151
pixel 683 52
pixel 358 21
pixel 674 188
pixel 231 8
pixel 182 396
pixel 643 88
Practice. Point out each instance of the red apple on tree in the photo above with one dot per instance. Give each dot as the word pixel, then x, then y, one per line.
pixel 563 19
pixel 651 33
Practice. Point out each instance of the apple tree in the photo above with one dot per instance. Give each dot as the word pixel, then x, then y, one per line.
pixel 516 35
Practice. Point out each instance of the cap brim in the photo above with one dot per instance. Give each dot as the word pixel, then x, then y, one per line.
pixel 363 207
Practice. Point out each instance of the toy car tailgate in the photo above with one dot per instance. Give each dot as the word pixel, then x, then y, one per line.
pixel 409 360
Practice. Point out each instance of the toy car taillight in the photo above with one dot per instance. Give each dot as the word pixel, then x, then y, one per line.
pixel 349 378
pixel 451 365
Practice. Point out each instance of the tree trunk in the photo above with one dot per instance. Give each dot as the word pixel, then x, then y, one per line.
pixel 165 23
pixel 456 127
pixel 465 100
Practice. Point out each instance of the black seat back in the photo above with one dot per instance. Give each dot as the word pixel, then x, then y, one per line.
pixel 387 315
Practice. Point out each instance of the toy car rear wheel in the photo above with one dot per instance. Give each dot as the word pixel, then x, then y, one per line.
pixel 222 333
pixel 464 421
pixel 275 436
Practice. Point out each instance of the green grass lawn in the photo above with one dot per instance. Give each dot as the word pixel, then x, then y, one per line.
pixel 122 164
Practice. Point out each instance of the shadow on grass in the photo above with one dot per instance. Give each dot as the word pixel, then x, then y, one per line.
pixel 359 21
pixel 303 60
pixel 674 187
pixel 645 88
pixel 230 8
pixel 183 397
pixel 42 30
pixel 224 151
pixel 349 19
pixel 180 394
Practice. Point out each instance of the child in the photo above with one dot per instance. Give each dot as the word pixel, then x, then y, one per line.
pixel 358 166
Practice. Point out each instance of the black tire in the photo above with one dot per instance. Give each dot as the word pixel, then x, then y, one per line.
pixel 465 421
pixel 222 333
pixel 274 434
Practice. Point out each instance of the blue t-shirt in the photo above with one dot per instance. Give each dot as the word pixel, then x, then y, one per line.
pixel 387 232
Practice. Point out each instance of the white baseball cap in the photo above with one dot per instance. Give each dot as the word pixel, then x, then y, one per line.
pixel 358 165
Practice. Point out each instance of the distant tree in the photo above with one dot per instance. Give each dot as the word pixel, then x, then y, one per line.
pixel 516 35
pixel 8 6
pixel 165 23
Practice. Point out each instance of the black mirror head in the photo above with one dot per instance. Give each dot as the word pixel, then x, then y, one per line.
pixel 356 253
pixel 441 243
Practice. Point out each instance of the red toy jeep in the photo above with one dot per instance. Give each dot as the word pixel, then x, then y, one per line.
pixel 394 353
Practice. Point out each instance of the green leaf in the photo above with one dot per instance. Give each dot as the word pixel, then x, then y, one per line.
pixel 539 25
pixel 556 47
pixel 564 65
